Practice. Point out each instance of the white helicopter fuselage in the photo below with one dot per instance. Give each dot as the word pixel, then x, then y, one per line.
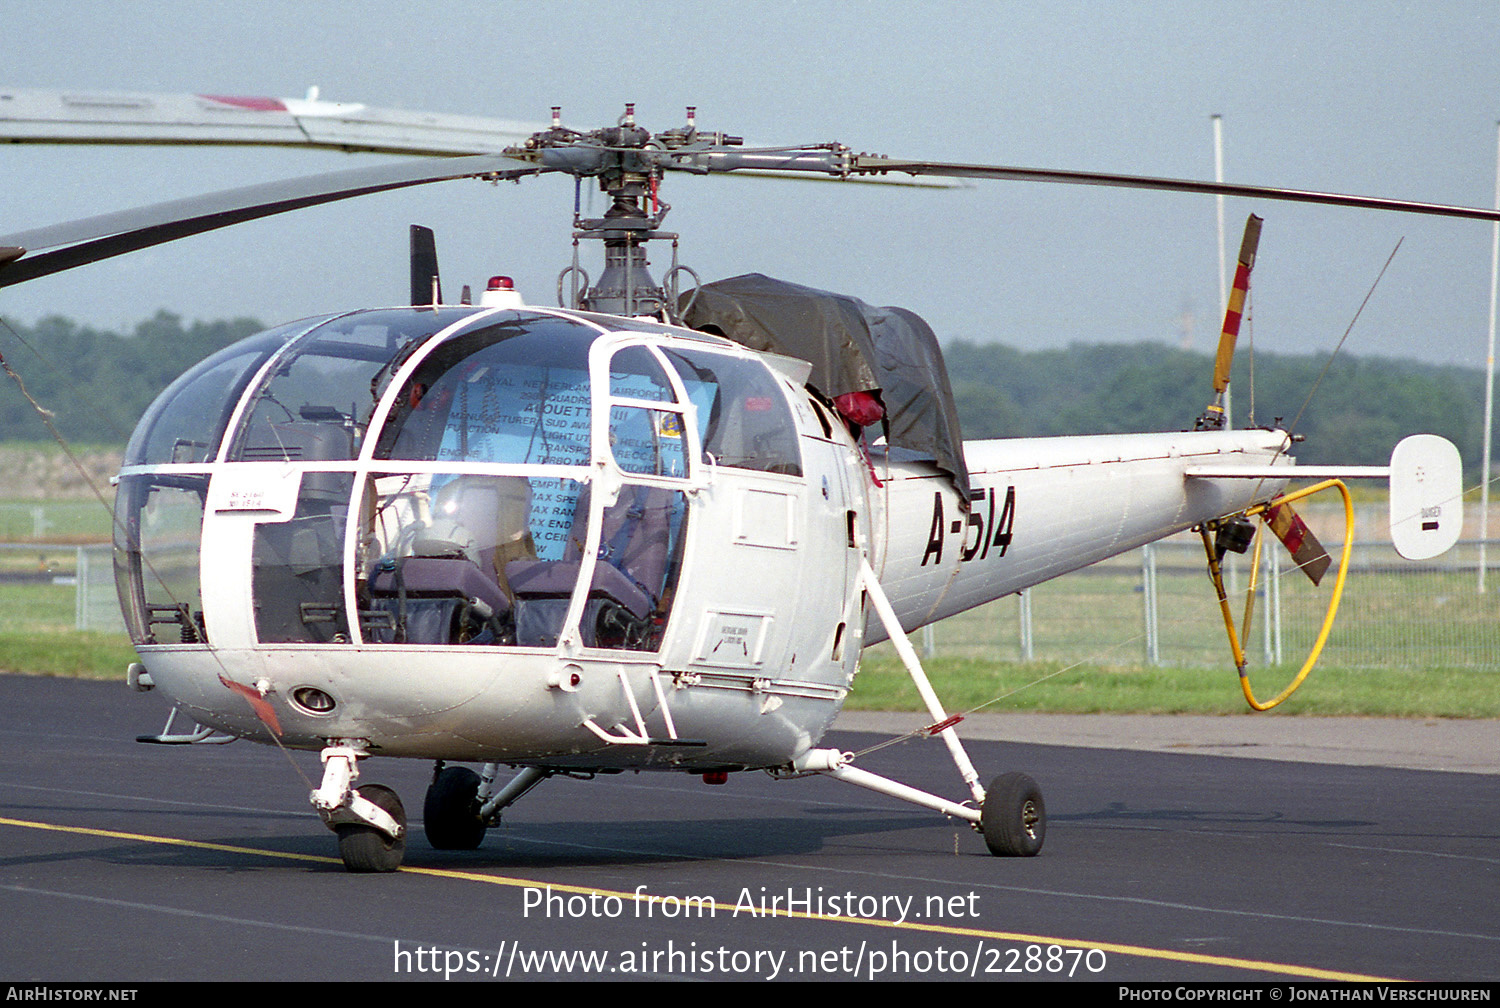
pixel 760 606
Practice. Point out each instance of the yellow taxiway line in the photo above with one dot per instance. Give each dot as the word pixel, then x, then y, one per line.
pixel 1143 951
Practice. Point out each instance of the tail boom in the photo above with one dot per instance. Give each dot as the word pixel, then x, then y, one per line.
pixel 1039 508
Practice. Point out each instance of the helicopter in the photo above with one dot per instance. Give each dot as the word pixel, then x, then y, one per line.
pixel 649 529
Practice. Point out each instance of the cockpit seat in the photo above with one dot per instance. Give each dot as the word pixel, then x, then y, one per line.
pixel 436 600
pixel 543 579
pixel 633 545
pixel 629 573
pixel 488 517
pixel 437 577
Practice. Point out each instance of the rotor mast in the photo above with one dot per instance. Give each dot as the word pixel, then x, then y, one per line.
pixel 626 160
pixel 626 286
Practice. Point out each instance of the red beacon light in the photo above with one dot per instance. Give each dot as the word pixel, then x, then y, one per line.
pixel 500 292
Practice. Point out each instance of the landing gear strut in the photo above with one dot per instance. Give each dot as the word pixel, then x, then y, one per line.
pixel 371 824
pixel 1010 814
pixel 369 821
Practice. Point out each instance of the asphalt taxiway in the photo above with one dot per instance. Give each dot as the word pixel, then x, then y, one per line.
pixel 1164 861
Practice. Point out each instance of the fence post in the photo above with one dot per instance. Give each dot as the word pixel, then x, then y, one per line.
pixel 1028 653
pixel 81 589
pixel 1148 594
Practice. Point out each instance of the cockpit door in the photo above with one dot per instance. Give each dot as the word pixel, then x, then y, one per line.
pixel 644 463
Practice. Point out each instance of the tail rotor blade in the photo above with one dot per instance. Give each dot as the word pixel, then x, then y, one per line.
pixel 425 286
pixel 1213 417
pixel 1236 309
pixel 1307 553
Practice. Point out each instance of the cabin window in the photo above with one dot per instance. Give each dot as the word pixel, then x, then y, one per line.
pixel 469 558
pixel 458 556
pixel 743 417
pixel 187 421
pixel 438 550
pixel 159 521
pixel 517 392
pixel 298 566
pixel 645 439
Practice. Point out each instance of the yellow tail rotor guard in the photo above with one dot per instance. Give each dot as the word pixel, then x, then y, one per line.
pixel 1216 574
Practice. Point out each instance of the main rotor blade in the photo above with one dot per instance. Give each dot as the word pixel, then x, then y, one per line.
pixel 868 163
pixel 95 238
pixel 38 116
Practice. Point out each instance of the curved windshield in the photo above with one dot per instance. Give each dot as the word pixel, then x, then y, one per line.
pixel 514 392
pixel 316 403
pixel 532 481
pixel 186 421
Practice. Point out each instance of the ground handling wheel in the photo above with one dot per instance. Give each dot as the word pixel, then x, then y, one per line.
pixel 1013 817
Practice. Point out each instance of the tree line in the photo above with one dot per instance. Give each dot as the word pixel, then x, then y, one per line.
pixel 1352 414
pixel 98 383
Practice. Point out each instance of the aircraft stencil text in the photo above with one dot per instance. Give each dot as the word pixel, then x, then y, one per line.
pixel 979 535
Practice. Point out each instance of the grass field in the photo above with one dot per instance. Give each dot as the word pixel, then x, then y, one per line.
pixel 37 636
pixel 1376 665
pixel 967 684
pixel 73 521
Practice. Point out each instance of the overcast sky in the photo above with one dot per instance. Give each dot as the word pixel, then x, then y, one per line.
pixel 1380 98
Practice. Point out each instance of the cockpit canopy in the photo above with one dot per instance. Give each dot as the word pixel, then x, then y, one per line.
pixel 444 464
pixel 511 387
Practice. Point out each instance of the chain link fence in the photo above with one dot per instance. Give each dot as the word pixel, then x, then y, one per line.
pixel 1154 606
pixel 1157 606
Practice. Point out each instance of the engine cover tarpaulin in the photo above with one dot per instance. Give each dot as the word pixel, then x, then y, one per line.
pixel 852 347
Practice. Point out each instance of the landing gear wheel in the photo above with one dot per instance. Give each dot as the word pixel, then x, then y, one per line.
pixel 365 848
pixel 450 813
pixel 1013 818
